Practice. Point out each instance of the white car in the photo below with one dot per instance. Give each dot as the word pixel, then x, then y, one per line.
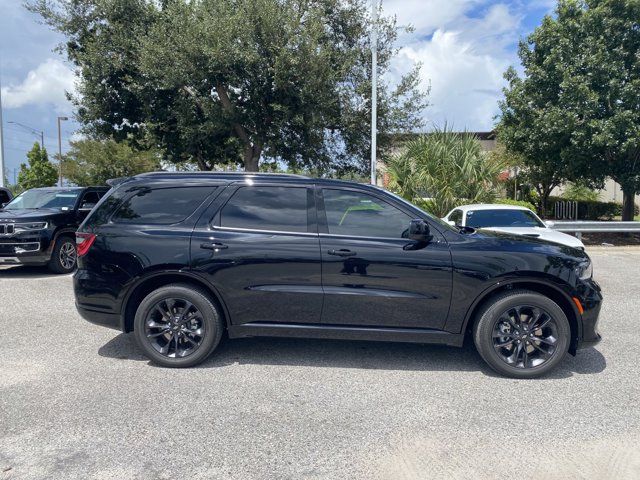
pixel 509 219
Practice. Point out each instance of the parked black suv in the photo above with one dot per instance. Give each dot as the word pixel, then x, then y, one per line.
pixel 38 226
pixel 180 258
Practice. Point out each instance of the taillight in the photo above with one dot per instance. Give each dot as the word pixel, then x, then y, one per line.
pixel 84 242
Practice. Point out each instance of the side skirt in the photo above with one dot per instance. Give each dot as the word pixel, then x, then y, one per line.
pixel 341 332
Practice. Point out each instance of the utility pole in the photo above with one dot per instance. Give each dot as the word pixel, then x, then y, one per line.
pixel 374 87
pixel 35 131
pixel 60 119
pixel 1 142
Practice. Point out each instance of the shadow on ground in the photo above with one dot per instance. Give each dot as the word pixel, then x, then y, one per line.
pixel 351 354
pixel 26 271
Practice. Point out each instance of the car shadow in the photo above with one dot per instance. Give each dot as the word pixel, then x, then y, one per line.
pixel 353 354
pixel 27 271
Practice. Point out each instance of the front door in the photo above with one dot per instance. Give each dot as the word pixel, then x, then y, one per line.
pixel 372 274
pixel 259 247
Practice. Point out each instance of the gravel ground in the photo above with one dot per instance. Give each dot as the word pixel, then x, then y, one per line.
pixel 79 401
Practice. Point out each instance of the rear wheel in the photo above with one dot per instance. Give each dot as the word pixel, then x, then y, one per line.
pixel 64 257
pixel 178 325
pixel 522 334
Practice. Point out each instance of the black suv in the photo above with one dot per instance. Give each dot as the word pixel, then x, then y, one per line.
pixel 179 259
pixel 38 226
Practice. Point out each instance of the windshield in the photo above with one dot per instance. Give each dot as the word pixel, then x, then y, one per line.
pixel 502 218
pixel 62 199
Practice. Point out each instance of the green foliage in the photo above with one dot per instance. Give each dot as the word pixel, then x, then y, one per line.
pixel 518 203
pixel 39 173
pixel 575 113
pixel 230 82
pixel 442 169
pixel 93 162
pixel 579 191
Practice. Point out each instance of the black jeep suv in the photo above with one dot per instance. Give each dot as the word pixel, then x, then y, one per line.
pixel 38 226
pixel 178 259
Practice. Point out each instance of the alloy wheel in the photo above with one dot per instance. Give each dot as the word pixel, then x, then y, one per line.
pixel 68 255
pixel 525 336
pixel 174 327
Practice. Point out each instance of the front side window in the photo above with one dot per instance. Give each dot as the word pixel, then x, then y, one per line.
pixel 502 218
pixel 37 199
pixel 456 217
pixel 162 206
pixel 280 209
pixel 358 214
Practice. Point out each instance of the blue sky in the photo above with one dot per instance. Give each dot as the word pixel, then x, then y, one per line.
pixel 464 46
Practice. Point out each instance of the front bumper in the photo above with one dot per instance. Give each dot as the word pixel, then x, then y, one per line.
pixel 590 296
pixel 22 249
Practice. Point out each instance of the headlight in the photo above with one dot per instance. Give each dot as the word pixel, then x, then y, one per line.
pixel 585 270
pixel 30 227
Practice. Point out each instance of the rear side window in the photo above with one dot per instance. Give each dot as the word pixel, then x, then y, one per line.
pixel 162 206
pixel 281 209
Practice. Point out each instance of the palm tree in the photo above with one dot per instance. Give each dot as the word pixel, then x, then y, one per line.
pixel 443 169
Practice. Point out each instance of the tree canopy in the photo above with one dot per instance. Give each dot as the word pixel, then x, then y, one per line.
pixel 93 162
pixel 576 112
pixel 219 82
pixel 39 173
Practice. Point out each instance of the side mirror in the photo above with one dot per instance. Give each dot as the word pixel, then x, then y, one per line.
pixel 86 207
pixel 2 205
pixel 419 231
pixel 549 223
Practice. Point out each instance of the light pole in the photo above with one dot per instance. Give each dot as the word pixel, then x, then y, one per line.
pixel 35 131
pixel 1 142
pixel 374 87
pixel 60 119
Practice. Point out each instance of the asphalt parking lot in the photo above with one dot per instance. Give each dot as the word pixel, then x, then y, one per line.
pixel 79 401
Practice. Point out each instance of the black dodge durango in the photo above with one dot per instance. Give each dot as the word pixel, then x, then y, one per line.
pixel 181 258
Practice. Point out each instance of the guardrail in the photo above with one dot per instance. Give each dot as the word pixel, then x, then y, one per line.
pixel 579 227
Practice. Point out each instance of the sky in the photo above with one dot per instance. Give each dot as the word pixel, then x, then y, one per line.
pixel 464 47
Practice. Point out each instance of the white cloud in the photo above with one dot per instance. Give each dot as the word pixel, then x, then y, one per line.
pixel 463 56
pixel 45 85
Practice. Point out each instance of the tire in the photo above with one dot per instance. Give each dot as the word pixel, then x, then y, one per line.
pixel 156 330
pixel 64 257
pixel 517 348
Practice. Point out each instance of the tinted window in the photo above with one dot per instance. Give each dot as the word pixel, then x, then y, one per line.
pixel 161 206
pixel 456 217
pixel 89 199
pixel 502 218
pixel 282 209
pixel 361 215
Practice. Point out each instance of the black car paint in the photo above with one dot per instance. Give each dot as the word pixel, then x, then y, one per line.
pixel 58 222
pixel 283 284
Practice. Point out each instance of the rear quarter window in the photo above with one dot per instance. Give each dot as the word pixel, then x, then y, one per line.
pixel 161 206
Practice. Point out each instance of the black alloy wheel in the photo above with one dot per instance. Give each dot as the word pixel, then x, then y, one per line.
pixel 178 325
pixel 522 334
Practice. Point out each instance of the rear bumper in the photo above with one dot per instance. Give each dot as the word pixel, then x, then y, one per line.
pixel 97 317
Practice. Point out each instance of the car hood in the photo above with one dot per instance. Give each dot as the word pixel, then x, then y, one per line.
pixel 31 214
pixel 541 233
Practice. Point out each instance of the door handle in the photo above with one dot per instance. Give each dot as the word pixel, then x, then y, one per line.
pixel 342 253
pixel 214 246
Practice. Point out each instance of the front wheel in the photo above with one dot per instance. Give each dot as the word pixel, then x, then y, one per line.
pixel 178 325
pixel 64 256
pixel 522 334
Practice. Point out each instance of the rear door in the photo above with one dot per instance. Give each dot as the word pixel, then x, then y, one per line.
pixel 258 245
pixel 372 274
